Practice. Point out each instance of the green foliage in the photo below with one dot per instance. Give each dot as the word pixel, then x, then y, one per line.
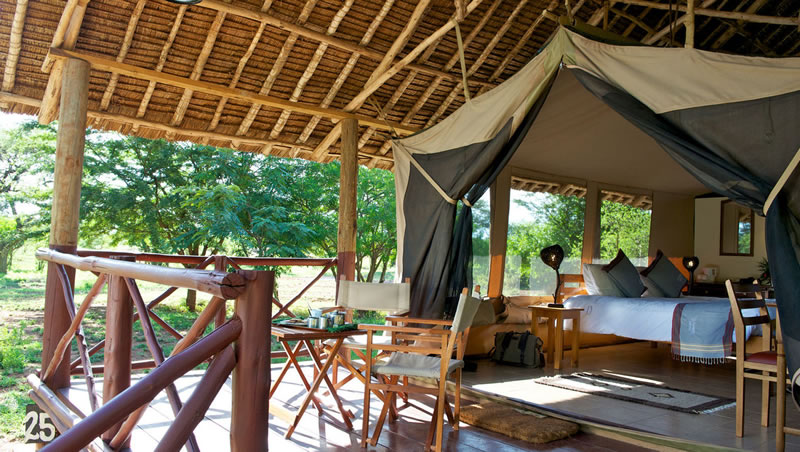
pixel 624 227
pixel 377 231
pixel 18 349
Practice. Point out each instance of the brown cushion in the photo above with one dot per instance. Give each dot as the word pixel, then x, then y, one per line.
pixel 763 358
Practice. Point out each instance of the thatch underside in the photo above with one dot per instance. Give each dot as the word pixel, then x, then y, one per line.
pixel 320 53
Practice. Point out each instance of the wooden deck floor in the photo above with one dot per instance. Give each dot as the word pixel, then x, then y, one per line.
pixel 327 432
pixel 641 361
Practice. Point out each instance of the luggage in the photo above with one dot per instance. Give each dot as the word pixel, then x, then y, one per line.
pixel 519 349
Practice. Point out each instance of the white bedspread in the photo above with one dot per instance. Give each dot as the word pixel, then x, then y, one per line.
pixel 648 319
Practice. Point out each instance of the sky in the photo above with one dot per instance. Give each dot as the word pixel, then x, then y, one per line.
pixel 11 120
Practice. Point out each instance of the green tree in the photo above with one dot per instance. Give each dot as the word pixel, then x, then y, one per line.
pixel 376 242
pixel 26 156
pixel 623 227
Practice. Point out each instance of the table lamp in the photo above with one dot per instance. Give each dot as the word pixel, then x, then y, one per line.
pixel 691 263
pixel 552 256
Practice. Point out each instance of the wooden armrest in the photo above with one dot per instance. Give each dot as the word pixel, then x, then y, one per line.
pixel 401 329
pixel 419 349
pixel 331 309
pixel 394 318
pixel 419 337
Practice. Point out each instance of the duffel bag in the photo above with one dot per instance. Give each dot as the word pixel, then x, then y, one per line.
pixel 520 349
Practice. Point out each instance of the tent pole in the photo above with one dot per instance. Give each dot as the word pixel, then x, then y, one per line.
pixel 348 182
pixel 500 195
pixel 591 224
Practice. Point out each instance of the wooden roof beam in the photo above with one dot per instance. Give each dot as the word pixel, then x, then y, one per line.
pixel 653 38
pixel 123 52
pixel 345 72
pixel 162 59
pixel 276 68
pixel 14 45
pixel 306 32
pixel 107 65
pixel 66 36
pixel 728 34
pixel 703 11
pixel 200 63
pixel 311 68
pixel 240 67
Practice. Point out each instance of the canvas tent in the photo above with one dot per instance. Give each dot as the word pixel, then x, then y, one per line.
pixel 729 121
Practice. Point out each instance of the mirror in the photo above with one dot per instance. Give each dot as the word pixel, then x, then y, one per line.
pixel 736 230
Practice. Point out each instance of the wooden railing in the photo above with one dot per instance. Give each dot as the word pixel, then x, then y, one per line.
pixel 123 405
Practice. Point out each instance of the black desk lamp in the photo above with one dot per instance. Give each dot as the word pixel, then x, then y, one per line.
pixel 552 256
pixel 691 264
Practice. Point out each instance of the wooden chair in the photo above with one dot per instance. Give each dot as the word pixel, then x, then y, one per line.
pixel 428 357
pixel 780 413
pixel 762 365
pixel 391 297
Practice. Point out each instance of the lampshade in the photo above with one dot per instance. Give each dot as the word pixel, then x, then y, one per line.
pixel 552 256
pixel 691 263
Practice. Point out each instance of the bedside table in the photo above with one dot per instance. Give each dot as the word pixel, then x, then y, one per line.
pixel 704 289
pixel 555 327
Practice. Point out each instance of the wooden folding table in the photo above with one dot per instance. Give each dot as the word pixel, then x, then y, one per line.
pixel 306 337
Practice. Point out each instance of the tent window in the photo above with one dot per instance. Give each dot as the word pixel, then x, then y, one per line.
pixel 538 220
pixel 625 225
pixel 481 219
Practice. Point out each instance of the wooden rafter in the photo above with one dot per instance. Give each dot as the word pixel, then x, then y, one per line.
pixel 345 72
pixel 401 41
pixel 123 52
pixel 162 59
pixel 703 11
pixel 380 79
pixel 728 34
pixel 240 67
pixel 65 37
pixel 14 45
pixel 653 38
pixel 103 64
pixel 199 64
pixel 276 69
pixel 310 68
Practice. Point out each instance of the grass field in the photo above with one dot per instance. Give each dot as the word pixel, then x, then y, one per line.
pixel 22 318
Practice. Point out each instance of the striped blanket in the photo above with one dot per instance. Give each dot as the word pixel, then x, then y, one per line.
pixel 701 333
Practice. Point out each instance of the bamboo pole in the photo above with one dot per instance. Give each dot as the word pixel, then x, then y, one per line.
pixel 223 285
pixel 14 45
pixel 748 17
pixel 192 413
pixel 65 208
pixel 348 210
pixel 118 345
pixel 146 389
pixel 251 377
pixel 690 13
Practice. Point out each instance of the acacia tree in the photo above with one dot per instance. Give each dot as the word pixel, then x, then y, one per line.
pixel 26 154
pixel 377 229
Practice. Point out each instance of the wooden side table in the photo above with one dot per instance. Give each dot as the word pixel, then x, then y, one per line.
pixel 555 331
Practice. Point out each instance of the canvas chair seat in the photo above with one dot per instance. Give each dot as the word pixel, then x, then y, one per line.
pixel 360 341
pixel 763 357
pixel 415 365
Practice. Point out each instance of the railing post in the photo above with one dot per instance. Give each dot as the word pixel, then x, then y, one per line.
pixel 220 264
pixel 65 209
pixel 119 337
pixel 251 377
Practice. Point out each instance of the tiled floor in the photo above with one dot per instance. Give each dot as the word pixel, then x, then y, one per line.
pixel 640 360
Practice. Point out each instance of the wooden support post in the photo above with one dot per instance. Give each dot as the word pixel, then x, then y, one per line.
pixel 118 346
pixel 689 24
pixel 251 377
pixel 500 194
pixel 591 224
pixel 65 209
pixel 348 183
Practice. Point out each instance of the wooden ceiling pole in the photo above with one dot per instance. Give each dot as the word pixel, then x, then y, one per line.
pixel 123 52
pixel 310 68
pixel 14 45
pixel 689 24
pixel 200 63
pixel 103 64
pixel 652 39
pixel 345 72
pixel 162 59
pixel 276 69
pixel 704 11
pixel 378 79
pixel 731 31
pixel 65 37
pixel 240 67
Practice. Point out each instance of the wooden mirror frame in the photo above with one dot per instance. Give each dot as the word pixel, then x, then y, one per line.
pixel 722 229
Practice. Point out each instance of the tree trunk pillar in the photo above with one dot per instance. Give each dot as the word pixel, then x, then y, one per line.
pixel 500 196
pixel 119 339
pixel 348 183
pixel 66 207
pixel 251 377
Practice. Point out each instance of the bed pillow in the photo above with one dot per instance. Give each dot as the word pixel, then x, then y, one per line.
pixel 662 279
pixel 624 275
pixel 599 282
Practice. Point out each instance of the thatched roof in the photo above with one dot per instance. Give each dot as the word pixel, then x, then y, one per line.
pixel 244 61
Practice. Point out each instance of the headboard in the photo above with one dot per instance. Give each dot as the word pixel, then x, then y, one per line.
pixel 572 284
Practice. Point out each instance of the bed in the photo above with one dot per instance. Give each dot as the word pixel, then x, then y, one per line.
pixel 700 329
